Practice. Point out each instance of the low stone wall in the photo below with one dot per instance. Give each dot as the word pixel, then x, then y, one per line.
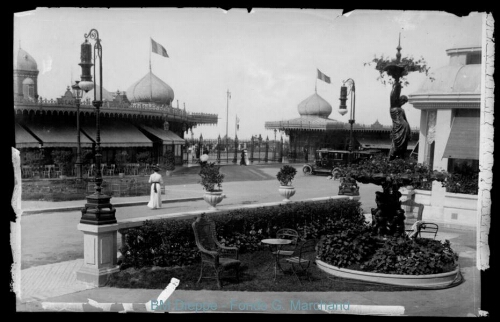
pixel 452 210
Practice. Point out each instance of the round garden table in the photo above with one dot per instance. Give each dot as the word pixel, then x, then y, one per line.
pixel 278 243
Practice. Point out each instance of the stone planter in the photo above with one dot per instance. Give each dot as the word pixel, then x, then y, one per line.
pixel 213 198
pixel 441 280
pixel 287 192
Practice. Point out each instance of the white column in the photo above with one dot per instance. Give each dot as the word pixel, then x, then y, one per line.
pixel 100 258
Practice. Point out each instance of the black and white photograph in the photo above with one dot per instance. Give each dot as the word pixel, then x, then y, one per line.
pixel 252 161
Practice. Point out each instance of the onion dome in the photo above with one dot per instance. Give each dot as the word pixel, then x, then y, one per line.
pixel 150 89
pixel 315 105
pixel 25 61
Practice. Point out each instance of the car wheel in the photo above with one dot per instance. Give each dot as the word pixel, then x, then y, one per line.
pixel 307 170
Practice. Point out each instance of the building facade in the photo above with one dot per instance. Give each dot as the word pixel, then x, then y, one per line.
pixel 141 121
pixel 449 131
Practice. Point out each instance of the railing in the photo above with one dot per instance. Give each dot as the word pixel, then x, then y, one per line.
pixel 41 102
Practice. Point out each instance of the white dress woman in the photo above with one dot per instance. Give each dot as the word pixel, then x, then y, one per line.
pixel 156 181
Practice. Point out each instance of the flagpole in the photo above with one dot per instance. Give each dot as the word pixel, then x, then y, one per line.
pixel 150 71
pixel 316 83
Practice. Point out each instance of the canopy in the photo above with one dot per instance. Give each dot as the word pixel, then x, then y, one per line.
pixel 168 137
pixel 118 134
pixel 57 135
pixel 463 142
pixel 24 139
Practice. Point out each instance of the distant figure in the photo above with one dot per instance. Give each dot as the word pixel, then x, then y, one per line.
pixel 401 131
pixel 156 182
pixel 243 160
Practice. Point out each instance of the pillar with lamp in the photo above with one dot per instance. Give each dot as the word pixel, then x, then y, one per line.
pixel 348 186
pixel 98 222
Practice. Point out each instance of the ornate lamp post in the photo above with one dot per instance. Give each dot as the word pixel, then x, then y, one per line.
pixel 94 212
pixel 348 186
pixel 98 222
pixel 343 108
pixel 77 91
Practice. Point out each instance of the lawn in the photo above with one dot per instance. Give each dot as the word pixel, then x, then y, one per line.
pixel 256 274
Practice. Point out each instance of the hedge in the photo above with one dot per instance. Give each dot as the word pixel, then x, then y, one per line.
pixel 170 242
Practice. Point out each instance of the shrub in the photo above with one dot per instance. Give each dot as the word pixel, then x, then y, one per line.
pixel 169 161
pixel 403 255
pixel 286 175
pixel 171 242
pixel 63 159
pixel 348 244
pixel 211 177
pixel 144 157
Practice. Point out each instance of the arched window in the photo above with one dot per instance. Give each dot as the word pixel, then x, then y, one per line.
pixel 28 88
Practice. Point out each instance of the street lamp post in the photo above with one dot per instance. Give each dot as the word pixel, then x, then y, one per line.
pixel 343 109
pixel 348 186
pixel 95 212
pixel 77 91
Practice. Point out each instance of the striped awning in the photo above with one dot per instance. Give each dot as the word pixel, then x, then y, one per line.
pixel 24 139
pixel 118 134
pixel 57 135
pixel 463 142
pixel 168 137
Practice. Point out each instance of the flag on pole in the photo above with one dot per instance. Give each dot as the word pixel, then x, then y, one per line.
pixel 237 123
pixel 158 49
pixel 323 77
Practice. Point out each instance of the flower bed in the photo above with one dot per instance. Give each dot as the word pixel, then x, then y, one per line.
pixel 355 248
pixel 170 242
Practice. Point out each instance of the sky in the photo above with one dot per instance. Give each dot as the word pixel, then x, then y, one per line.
pixel 267 58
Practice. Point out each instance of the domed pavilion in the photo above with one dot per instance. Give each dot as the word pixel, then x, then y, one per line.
pixel 137 127
pixel 314 130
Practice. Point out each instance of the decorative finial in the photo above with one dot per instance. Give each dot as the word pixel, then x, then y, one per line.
pixel 398 55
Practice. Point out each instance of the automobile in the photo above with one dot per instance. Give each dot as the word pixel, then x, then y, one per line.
pixel 328 160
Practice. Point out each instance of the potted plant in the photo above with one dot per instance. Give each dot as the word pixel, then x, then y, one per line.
pixel 169 162
pixel 285 177
pixel 210 179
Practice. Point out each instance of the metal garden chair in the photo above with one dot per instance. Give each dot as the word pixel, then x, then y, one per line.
pixel 301 259
pixel 213 254
pixel 287 233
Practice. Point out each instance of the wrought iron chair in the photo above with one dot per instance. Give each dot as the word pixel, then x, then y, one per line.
pixel 111 170
pixel 301 259
pixel 287 250
pixel 213 254
pixel 419 226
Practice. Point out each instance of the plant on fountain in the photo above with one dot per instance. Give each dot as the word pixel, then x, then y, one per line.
pixel 286 175
pixel 211 177
pixel 410 65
